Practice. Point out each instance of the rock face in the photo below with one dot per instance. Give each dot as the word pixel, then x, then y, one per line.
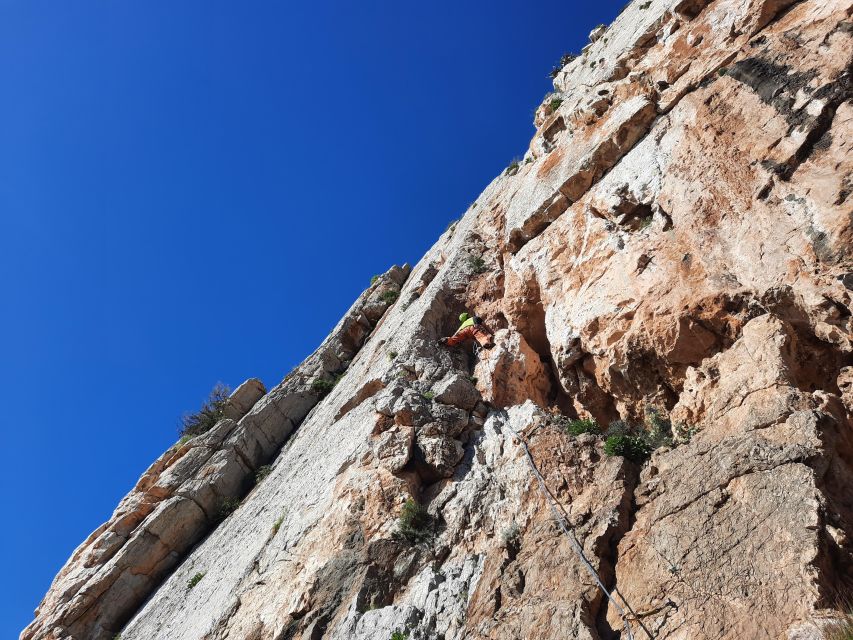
pixel 678 238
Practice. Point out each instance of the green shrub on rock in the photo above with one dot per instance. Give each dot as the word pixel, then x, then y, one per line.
pixel 226 508
pixel 262 472
pixel 195 580
pixel 582 425
pixel 477 264
pixel 414 525
pixel 324 386
pixel 203 420
pixel 633 447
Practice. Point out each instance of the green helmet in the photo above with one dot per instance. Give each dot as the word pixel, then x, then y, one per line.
pixel 463 317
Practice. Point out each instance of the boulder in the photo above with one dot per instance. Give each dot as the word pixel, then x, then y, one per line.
pixel 393 449
pixel 458 391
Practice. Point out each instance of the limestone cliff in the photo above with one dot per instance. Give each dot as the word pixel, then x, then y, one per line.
pixel 674 249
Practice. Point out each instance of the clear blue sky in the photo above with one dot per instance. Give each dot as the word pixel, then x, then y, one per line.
pixel 195 191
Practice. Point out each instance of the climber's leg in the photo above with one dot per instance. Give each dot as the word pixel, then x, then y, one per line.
pixel 460 336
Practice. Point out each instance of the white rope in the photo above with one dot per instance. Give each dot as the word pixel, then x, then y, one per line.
pixel 572 540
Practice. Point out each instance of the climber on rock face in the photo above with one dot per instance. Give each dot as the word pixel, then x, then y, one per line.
pixel 471 327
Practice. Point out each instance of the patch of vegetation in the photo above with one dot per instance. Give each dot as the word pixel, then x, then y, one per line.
pixel 392 355
pixel 645 5
pixel 633 447
pixel 637 443
pixel 510 535
pixel 579 426
pixel 400 635
pixel 842 627
pixel 646 222
pixel 512 169
pixel 415 524
pixel 565 59
pixel 429 395
pixel 554 104
pixel 277 524
pixel 262 472
pixel 117 636
pixel 390 296
pixel 722 71
pixel 472 379
pixel 658 429
pixel 203 420
pixel 452 225
pixel 195 580
pixel 477 264
pixel 226 508
pixel 374 280
pixel 683 433
pixel 183 440
pixel 323 386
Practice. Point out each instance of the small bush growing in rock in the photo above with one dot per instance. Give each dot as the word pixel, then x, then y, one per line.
pixel 722 71
pixel 582 425
pixel 226 508
pixel 429 395
pixel 637 444
pixel 565 59
pixel 277 524
pixel 374 280
pixel 262 472
pixel 324 386
pixel 510 535
pixel 202 421
pixel 390 296
pixel 195 580
pixel 392 355
pixel 512 169
pixel 477 264
pixel 633 447
pixel 554 104
pixel 400 635
pixel 414 525
pixel 842 628
pixel 658 429
pixel 682 432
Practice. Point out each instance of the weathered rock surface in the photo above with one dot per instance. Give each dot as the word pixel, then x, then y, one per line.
pixel 678 236
pixel 513 372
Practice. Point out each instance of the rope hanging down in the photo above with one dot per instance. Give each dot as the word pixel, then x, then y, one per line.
pixel 552 503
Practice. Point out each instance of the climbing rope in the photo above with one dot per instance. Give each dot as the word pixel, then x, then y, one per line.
pixel 552 503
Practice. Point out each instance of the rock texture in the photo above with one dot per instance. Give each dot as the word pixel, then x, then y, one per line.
pixel 677 237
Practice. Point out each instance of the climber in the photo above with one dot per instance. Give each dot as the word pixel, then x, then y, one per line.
pixel 471 327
